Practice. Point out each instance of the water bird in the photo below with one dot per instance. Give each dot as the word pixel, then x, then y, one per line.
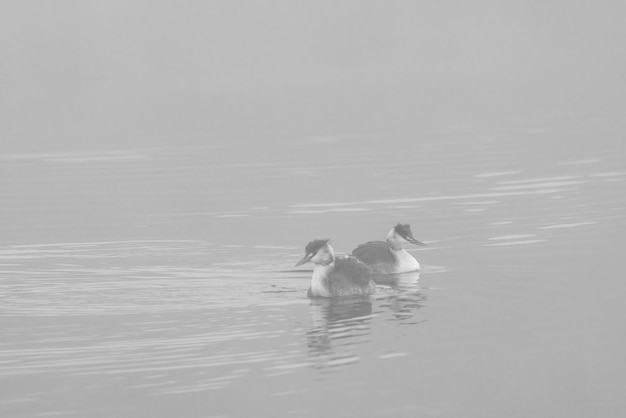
pixel 335 276
pixel 389 256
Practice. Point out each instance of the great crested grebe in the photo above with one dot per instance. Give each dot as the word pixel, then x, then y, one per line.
pixel 385 257
pixel 335 276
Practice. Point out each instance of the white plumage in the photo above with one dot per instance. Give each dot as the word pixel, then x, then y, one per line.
pixel 386 257
pixel 336 276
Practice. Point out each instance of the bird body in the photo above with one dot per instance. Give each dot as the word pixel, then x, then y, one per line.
pixel 388 257
pixel 385 260
pixel 336 276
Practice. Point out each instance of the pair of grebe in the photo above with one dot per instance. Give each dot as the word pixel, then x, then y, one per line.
pixel 352 275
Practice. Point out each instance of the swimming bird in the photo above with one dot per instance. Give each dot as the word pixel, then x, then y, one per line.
pixel 385 257
pixel 335 276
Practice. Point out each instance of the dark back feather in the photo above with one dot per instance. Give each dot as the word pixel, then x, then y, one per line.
pixel 352 269
pixel 351 277
pixel 374 252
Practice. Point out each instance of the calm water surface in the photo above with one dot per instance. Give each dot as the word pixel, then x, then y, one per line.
pixel 160 282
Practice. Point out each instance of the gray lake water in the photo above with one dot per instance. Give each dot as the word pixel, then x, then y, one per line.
pixel 159 282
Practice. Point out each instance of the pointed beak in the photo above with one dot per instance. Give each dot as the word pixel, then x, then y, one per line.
pixel 305 259
pixel 414 241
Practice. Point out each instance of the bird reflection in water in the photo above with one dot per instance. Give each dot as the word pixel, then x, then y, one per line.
pixel 339 325
pixel 406 297
pixel 403 282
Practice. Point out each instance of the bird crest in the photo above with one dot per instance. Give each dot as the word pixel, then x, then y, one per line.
pixel 315 245
pixel 404 230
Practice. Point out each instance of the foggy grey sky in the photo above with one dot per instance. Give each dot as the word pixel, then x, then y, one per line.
pixel 109 74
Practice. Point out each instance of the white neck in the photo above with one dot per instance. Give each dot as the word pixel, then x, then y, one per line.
pixel 395 241
pixel 406 262
pixel 319 281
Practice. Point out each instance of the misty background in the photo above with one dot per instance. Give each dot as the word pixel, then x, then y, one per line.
pixel 95 75
pixel 163 165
